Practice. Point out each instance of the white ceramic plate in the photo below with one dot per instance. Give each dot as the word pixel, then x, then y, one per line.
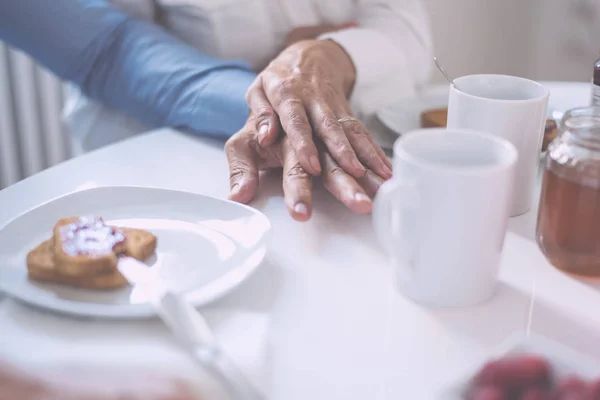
pixel 564 361
pixel 405 114
pixel 206 247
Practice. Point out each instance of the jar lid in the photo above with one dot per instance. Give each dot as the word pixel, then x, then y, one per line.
pixel 583 122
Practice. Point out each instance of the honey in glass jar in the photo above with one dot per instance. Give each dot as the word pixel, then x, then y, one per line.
pixel 568 225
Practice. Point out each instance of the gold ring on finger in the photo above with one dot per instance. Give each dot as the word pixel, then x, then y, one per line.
pixel 347 119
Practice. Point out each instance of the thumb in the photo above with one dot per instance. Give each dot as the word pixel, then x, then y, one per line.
pixel 243 169
pixel 267 122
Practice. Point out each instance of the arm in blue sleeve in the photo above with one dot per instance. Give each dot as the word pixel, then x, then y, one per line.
pixel 129 64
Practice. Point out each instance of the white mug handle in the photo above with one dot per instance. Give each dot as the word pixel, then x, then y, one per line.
pixel 391 223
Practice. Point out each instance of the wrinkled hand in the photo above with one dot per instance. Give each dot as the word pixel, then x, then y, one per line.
pixel 313 31
pixel 90 385
pixel 305 89
pixel 246 157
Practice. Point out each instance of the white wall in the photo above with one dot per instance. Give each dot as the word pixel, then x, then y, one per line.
pixel 567 39
pixel 540 39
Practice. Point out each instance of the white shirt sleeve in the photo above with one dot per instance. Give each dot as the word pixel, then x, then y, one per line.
pixel 391 51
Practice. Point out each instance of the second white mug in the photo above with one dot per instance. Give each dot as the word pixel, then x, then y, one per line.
pixel 509 107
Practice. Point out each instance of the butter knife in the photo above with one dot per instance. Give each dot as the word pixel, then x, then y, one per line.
pixel 189 328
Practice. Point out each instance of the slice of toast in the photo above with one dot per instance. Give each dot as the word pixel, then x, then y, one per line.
pixel 139 244
pixel 435 118
pixel 550 133
pixel 41 267
pixel 98 258
pixel 86 246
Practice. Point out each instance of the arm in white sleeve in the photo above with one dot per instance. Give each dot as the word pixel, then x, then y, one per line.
pixel 391 51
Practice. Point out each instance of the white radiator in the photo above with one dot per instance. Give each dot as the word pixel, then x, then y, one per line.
pixel 31 134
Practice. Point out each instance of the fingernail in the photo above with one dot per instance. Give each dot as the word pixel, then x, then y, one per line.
pixel 362 198
pixel 388 171
pixel 301 208
pixel 234 189
pixel 263 129
pixel 359 166
pixel 314 163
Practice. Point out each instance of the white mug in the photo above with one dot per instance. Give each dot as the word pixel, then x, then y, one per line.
pixel 509 107
pixel 443 216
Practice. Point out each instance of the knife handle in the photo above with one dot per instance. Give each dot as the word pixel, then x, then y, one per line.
pixel 193 332
pixel 221 366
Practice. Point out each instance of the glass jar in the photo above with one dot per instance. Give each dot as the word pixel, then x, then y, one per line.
pixel 568 225
pixel 596 84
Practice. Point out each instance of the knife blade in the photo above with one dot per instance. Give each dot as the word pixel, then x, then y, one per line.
pixel 189 328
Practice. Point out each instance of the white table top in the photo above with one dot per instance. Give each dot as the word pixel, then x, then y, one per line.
pixel 321 318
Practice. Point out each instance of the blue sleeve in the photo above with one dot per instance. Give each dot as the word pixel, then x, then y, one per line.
pixel 129 64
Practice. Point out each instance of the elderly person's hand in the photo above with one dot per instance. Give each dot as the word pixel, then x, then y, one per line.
pixel 16 383
pixel 306 89
pixel 246 157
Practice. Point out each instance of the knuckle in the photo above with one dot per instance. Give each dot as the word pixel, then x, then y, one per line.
pixel 263 113
pixel 293 86
pixel 299 125
pixel 236 172
pixel 364 149
pixel 308 91
pixel 296 172
pixel 344 150
pixel 335 170
pixel 330 124
pixel 356 128
pixel 372 154
pixel 287 86
pixel 291 103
